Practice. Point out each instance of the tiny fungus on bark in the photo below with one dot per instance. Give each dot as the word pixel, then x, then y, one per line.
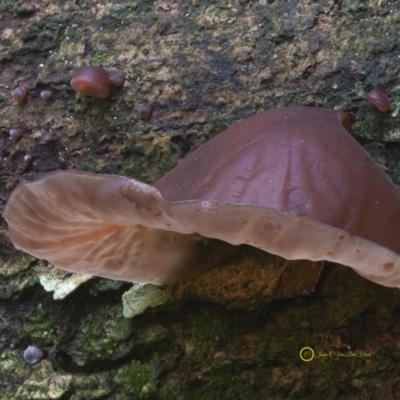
pixel 290 181
pixel 28 158
pixel 145 111
pixel 117 79
pixel 45 95
pixel 32 355
pixel 19 93
pixel 15 133
pixel 92 81
pixel 379 97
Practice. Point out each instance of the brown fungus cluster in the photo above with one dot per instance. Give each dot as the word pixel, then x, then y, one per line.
pixel 290 181
pixel 96 81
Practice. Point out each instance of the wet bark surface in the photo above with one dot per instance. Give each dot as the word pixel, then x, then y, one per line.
pixel 202 65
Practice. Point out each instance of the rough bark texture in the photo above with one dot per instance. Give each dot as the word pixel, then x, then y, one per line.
pixel 237 331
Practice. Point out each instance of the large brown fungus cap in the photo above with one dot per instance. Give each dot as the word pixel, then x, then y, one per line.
pixel 290 181
pixel 92 81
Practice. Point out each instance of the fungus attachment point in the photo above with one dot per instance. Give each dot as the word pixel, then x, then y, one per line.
pixel 379 97
pixel 92 81
pixel 290 181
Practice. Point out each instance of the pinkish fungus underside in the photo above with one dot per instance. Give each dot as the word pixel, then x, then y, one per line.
pixel 290 181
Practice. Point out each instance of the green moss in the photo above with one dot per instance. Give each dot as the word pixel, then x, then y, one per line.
pixel 207 336
pixel 139 380
pixel 224 121
pixel 395 106
pixel 218 345
pixel 102 336
pixel 12 365
pixel 104 285
pixel 40 326
pixel 17 263
pixel 18 274
pixel 98 58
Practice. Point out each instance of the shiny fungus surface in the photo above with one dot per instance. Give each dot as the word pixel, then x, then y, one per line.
pixel 92 81
pixel 290 181
pixel 379 97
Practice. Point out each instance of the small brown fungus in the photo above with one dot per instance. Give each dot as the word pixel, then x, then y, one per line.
pixel 28 158
pixel 45 95
pixel 290 181
pixel 92 81
pixel 145 111
pixel 19 93
pixel 379 97
pixel 15 133
pixel 117 79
